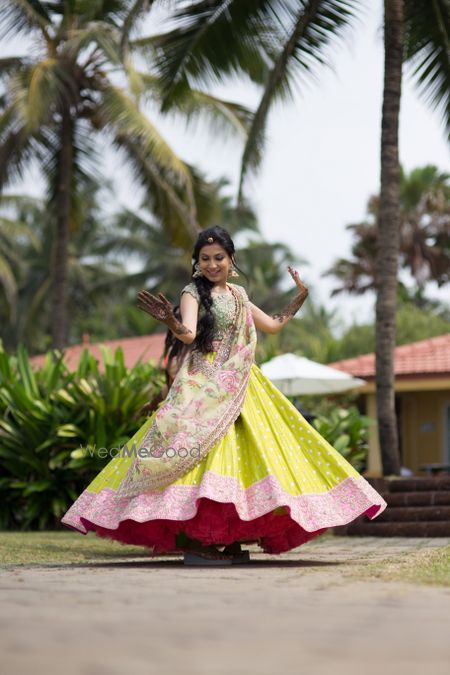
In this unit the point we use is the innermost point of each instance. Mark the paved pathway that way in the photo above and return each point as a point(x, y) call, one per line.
point(301, 612)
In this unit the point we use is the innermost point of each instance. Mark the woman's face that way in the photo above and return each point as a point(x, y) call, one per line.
point(214, 263)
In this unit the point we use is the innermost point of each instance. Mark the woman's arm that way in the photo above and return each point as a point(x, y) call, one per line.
point(189, 315)
point(273, 324)
point(161, 309)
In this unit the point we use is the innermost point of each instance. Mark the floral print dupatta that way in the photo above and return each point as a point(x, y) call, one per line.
point(204, 400)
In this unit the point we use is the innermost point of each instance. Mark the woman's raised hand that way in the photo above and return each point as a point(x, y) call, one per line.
point(292, 308)
point(159, 308)
point(298, 282)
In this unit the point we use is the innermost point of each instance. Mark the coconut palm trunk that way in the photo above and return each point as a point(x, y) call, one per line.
point(389, 238)
point(61, 249)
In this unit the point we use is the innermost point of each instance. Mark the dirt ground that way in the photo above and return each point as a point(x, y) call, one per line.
point(309, 611)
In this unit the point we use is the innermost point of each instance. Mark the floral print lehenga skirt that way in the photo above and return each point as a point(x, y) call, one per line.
point(271, 479)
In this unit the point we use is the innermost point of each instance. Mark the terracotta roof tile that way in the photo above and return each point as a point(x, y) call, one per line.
point(424, 357)
point(148, 347)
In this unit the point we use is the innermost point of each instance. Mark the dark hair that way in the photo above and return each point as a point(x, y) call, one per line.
point(205, 326)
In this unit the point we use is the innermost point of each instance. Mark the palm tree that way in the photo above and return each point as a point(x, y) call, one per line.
point(66, 92)
point(424, 235)
point(425, 225)
point(91, 278)
point(388, 249)
point(275, 43)
point(13, 233)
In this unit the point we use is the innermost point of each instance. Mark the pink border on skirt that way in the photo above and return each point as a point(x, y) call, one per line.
point(220, 511)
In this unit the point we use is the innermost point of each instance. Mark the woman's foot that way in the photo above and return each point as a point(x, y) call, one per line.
point(211, 553)
point(207, 555)
point(208, 552)
point(233, 549)
point(238, 555)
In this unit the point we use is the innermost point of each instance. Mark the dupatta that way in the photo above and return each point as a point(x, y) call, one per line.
point(204, 399)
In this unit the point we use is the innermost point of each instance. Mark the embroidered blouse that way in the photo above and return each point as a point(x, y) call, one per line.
point(222, 307)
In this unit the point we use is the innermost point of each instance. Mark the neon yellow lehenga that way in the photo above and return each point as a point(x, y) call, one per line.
point(224, 458)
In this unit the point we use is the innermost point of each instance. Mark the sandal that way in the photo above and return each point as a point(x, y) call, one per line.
point(191, 559)
point(208, 556)
point(239, 556)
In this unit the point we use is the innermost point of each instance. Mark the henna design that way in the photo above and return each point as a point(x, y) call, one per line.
point(292, 308)
point(178, 328)
point(161, 309)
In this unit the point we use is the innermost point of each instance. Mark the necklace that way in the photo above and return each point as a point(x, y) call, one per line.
point(228, 292)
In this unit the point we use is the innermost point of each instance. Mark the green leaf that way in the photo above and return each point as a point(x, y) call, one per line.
point(68, 431)
point(38, 486)
point(342, 442)
point(26, 372)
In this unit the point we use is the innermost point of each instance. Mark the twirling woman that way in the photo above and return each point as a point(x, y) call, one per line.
point(225, 458)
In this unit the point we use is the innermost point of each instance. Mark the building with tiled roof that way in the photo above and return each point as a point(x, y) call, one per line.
point(426, 357)
point(422, 400)
point(144, 347)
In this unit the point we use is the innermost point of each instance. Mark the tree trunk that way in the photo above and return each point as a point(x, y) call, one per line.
point(389, 238)
point(60, 249)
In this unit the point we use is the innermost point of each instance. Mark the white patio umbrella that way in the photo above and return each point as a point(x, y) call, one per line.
point(296, 375)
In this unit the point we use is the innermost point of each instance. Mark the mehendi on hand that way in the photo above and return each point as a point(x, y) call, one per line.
point(162, 310)
point(292, 308)
point(177, 327)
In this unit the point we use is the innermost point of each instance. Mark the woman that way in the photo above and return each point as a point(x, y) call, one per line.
point(225, 458)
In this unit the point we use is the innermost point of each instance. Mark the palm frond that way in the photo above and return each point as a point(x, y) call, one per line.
point(119, 113)
point(20, 201)
point(427, 51)
point(199, 106)
point(17, 146)
point(23, 16)
point(213, 39)
point(10, 64)
point(12, 229)
point(98, 33)
point(317, 23)
point(8, 283)
point(177, 211)
point(135, 13)
point(37, 90)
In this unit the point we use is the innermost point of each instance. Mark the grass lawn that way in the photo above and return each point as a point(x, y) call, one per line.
point(425, 566)
point(45, 548)
point(59, 547)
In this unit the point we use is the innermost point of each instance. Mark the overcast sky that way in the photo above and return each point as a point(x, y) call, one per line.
point(322, 157)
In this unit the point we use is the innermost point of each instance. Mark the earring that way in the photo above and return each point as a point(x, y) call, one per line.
point(232, 272)
point(198, 272)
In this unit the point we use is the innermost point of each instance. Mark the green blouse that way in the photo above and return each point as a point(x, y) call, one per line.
point(222, 308)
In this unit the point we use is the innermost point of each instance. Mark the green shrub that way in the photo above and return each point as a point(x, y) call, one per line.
point(49, 413)
point(346, 430)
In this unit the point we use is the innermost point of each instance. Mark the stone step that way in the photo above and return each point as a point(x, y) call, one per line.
point(417, 507)
point(394, 529)
point(417, 484)
point(413, 514)
point(424, 498)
